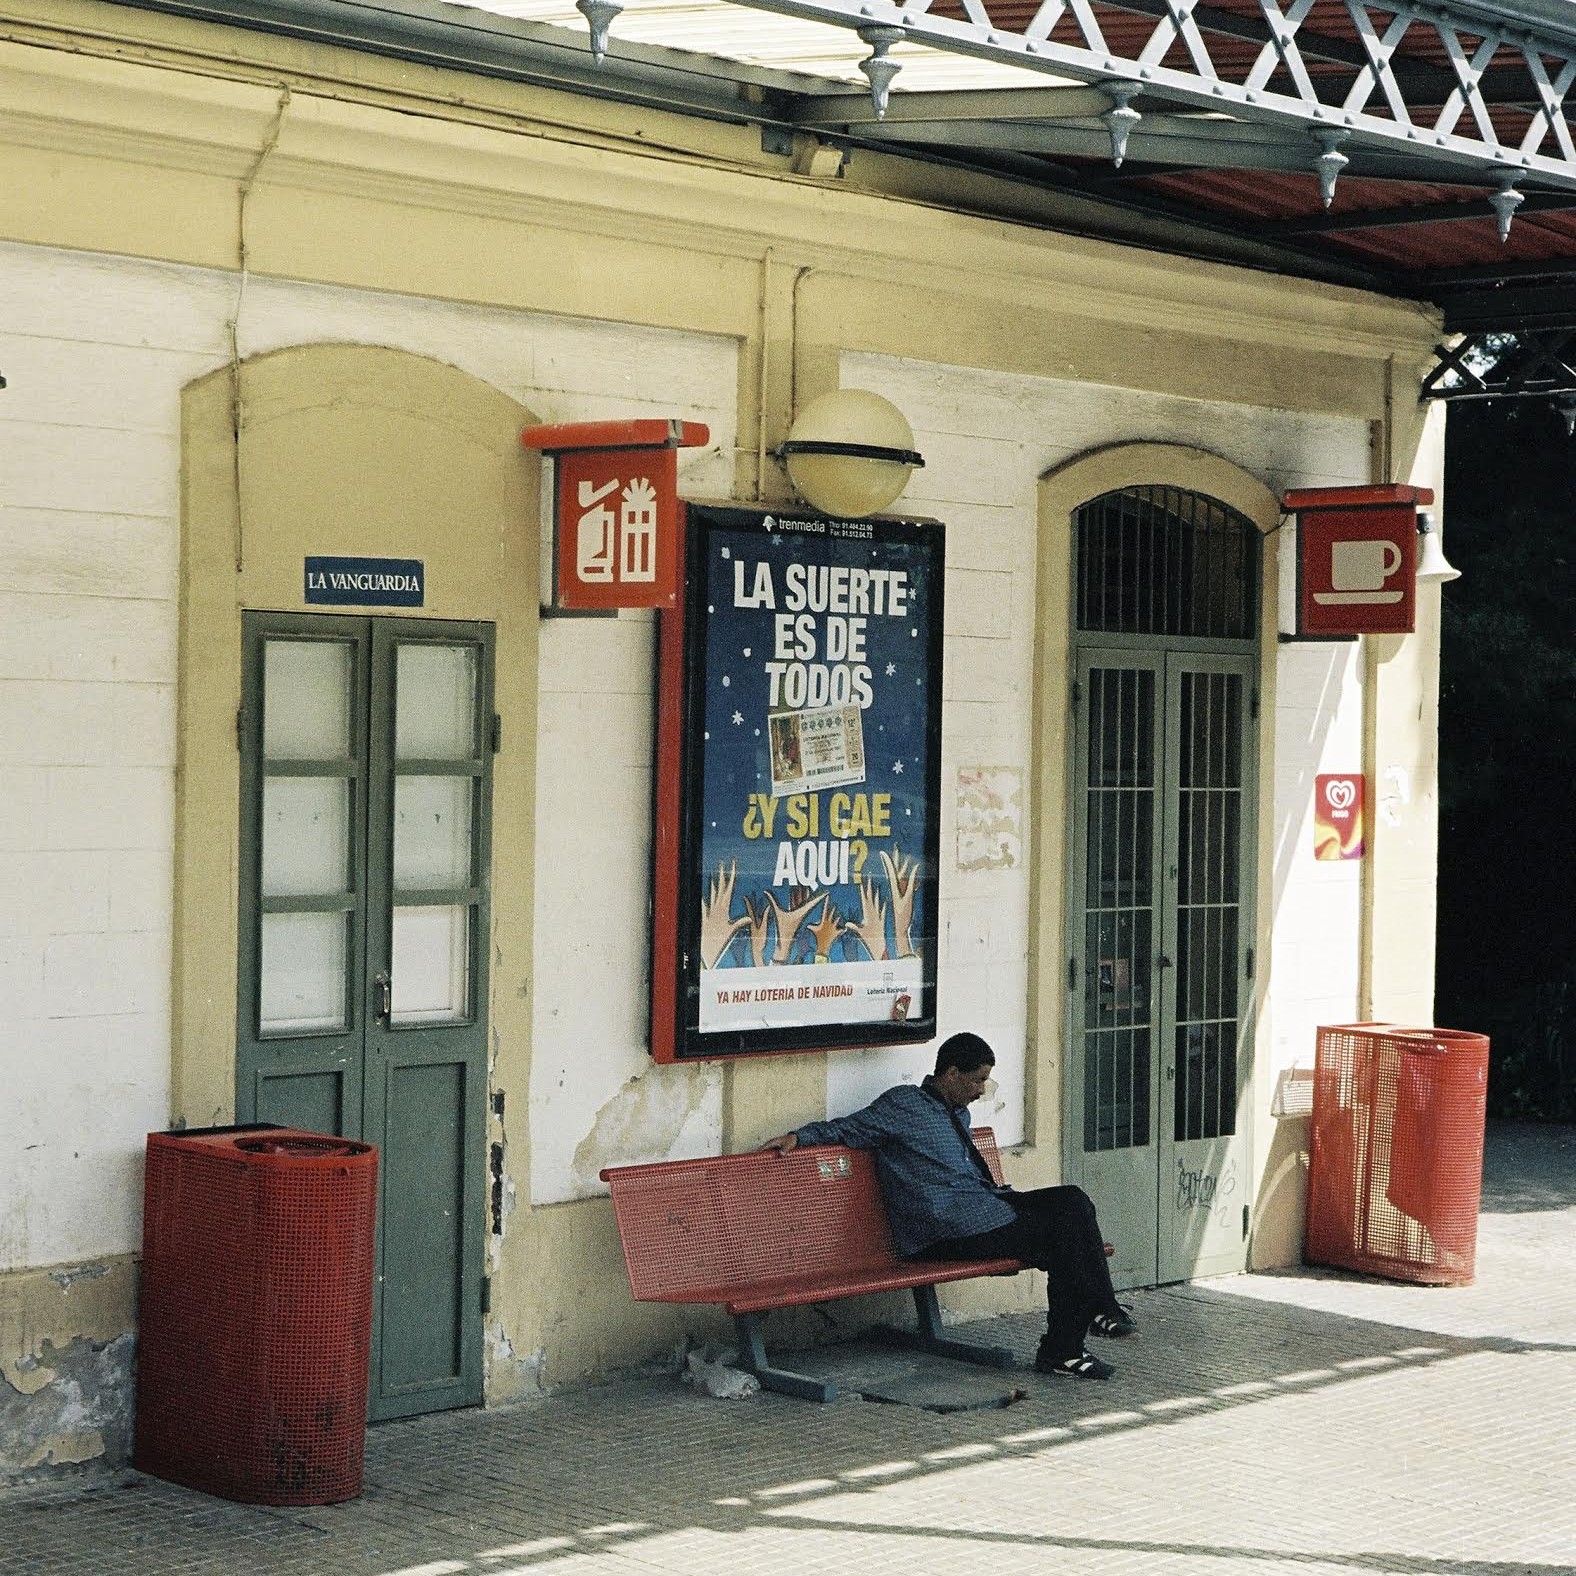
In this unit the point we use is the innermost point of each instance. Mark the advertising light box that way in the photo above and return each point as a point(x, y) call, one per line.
point(798, 817)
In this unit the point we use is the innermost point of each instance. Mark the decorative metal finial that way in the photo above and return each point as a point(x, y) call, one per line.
point(1121, 117)
point(1330, 163)
point(879, 69)
point(1505, 202)
point(600, 14)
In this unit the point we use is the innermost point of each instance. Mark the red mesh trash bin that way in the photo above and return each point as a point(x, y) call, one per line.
point(1396, 1169)
point(256, 1313)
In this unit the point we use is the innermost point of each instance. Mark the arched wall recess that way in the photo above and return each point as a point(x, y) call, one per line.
point(342, 815)
point(1063, 491)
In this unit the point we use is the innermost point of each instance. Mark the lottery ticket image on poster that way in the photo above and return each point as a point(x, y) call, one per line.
point(817, 749)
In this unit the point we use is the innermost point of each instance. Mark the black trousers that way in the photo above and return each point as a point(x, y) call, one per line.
point(1056, 1231)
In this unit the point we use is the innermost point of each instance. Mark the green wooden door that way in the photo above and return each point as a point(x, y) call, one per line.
point(365, 818)
point(1162, 960)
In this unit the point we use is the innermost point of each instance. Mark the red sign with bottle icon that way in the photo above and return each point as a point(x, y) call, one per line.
point(1356, 560)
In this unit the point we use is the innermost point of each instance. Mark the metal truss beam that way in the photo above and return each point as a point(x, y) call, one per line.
point(1372, 98)
point(1534, 363)
point(1550, 306)
point(1352, 221)
point(1177, 142)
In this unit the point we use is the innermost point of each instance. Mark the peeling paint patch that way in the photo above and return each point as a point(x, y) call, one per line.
point(66, 1279)
point(71, 1404)
point(645, 1120)
point(512, 1376)
point(990, 817)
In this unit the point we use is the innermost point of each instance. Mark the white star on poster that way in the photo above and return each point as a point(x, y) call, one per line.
point(738, 719)
point(897, 768)
point(891, 669)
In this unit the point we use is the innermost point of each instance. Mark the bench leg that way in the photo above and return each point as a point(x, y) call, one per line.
point(931, 1336)
point(752, 1355)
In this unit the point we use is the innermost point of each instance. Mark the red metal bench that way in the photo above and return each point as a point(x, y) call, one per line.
point(765, 1230)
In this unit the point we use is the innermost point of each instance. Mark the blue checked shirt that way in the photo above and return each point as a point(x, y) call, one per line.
point(925, 1162)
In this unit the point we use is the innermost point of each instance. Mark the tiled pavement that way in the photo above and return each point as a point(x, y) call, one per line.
point(1304, 1422)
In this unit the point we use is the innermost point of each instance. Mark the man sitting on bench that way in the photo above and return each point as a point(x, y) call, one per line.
point(942, 1202)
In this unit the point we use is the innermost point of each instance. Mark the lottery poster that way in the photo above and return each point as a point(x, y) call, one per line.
point(810, 782)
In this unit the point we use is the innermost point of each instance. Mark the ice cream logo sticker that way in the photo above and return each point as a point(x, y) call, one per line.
point(1338, 816)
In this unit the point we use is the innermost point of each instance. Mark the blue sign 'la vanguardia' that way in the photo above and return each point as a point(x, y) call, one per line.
point(365, 582)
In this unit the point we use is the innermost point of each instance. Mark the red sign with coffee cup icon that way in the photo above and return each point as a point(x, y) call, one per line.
point(1356, 560)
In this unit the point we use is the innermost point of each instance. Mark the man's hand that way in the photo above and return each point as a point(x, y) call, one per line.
point(782, 1143)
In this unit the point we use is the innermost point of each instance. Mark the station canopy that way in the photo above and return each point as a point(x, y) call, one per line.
point(1422, 151)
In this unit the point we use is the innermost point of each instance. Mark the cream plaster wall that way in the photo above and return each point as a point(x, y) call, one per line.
point(88, 610)
point(498, 230)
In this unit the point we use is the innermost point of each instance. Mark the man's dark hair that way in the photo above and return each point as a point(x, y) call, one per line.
point(965, 1052)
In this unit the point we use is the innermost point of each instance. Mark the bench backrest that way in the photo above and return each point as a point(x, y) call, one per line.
point(691, 1227)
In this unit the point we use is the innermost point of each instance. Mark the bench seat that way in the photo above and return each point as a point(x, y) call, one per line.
point(763, 1230)
point(796, 1291)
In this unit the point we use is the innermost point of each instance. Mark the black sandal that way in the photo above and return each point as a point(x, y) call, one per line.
point(1114, 1326)
point(1081, 1365)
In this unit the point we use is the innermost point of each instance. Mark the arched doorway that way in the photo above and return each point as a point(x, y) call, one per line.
point(343, 799)
point(1162, 857)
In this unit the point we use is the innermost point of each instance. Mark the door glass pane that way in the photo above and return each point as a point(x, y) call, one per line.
point(1119, 904)
point(1209, 823)
point(306, 700)
point(432, 832)
point(303, 973)
point(306, 842)
point(431, 964)
point(435, 702)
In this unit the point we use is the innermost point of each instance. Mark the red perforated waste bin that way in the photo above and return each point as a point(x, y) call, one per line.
point(1396, 1169)
point(256, 1313)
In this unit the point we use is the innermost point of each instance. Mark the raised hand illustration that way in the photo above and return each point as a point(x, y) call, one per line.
point(760, 923)
point(826, 930)
point(790, 919)
point(902, 879)
point(718, 926)
point(870, 927)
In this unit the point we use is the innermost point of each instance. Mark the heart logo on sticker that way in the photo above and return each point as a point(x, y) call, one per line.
point(1340, 794)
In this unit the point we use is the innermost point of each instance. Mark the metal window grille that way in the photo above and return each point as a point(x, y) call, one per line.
point(1119, 907)
point(1209, 791)
point(1171, 565)
point(1164, 561)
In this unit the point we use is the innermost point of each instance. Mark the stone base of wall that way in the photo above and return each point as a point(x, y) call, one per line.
point(67, 1343)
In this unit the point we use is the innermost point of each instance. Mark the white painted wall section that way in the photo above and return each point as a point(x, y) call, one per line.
point(96, 351)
